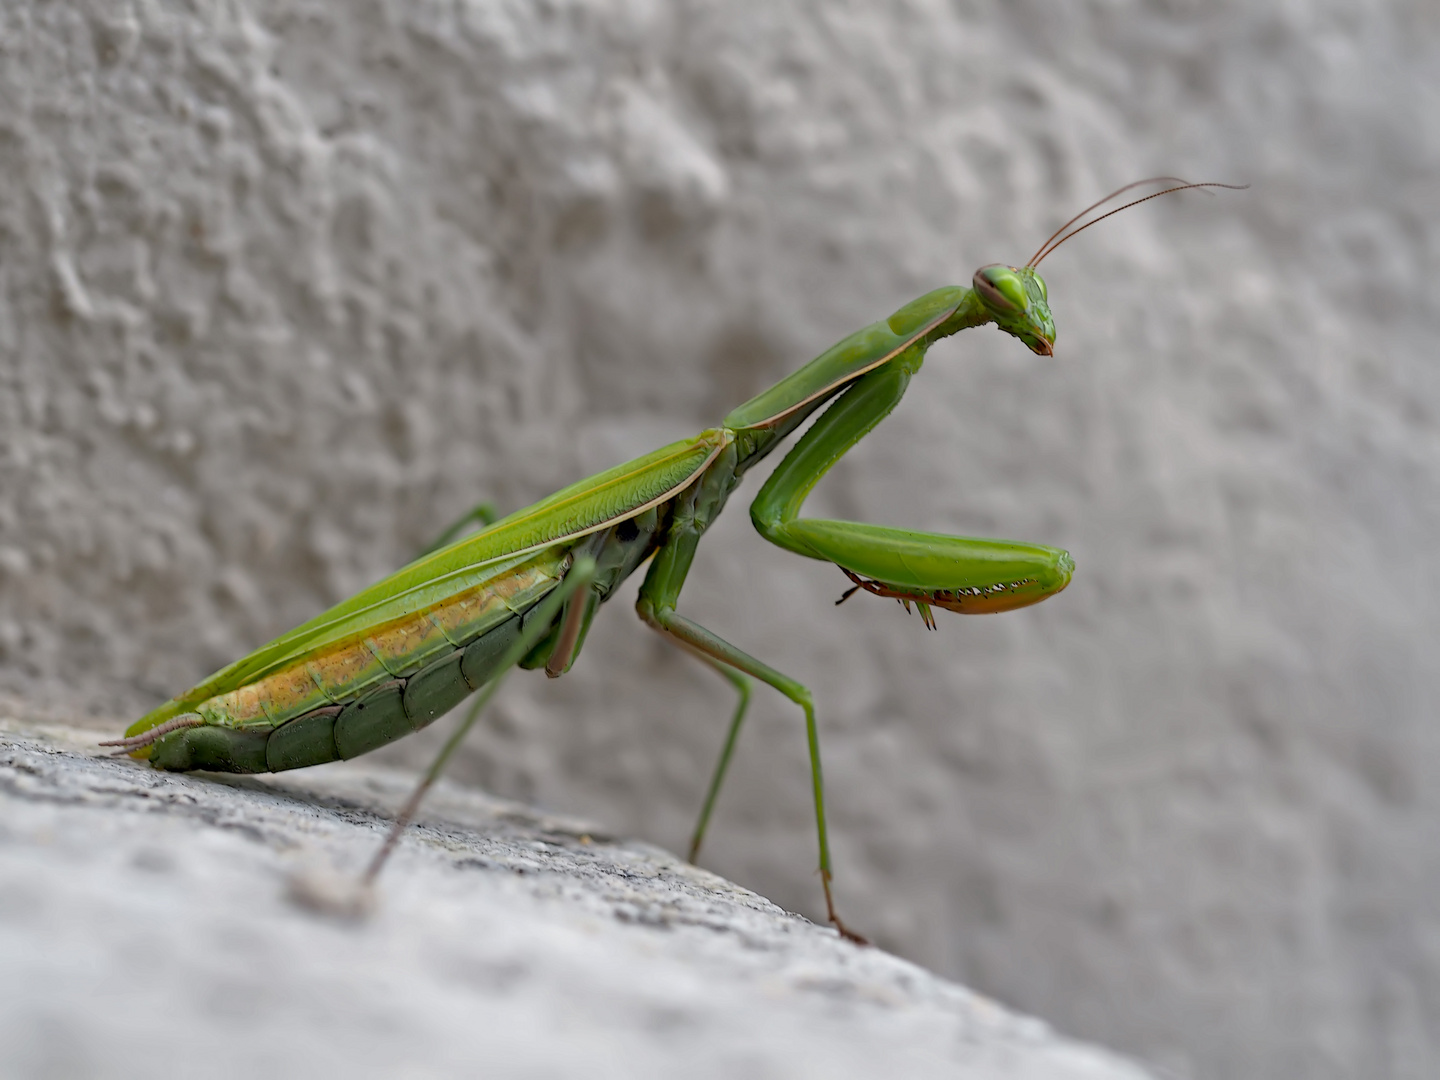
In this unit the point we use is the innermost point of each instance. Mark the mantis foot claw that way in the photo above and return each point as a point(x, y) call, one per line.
point(840, 927)
point(846, 933)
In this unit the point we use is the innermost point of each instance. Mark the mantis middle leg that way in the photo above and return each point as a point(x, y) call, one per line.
point(656, 605)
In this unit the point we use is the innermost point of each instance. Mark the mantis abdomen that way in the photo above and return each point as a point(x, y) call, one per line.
point(360, 694)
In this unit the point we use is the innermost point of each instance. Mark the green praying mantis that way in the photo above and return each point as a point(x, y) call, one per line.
point(523, 590)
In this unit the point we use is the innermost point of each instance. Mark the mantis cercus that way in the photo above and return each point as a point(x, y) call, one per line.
point(523, 590)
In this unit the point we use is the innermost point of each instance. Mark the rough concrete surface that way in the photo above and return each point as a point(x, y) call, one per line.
point(285, 286)
point(148, 929)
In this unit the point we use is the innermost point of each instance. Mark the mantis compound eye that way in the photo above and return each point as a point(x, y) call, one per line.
point(1001, 288)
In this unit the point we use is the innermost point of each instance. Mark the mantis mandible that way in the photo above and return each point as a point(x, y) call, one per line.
point(523, 590)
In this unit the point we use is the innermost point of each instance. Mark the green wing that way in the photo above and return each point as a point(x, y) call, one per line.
point(582, 508)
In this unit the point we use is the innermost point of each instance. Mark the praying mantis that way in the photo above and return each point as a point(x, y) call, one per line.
point(523, 590)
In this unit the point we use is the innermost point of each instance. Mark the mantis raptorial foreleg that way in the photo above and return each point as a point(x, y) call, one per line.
point(955, 572)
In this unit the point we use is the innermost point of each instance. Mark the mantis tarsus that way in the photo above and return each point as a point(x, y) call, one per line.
point(523, 590)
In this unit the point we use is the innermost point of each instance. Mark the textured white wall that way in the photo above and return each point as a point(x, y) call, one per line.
point(288, 285)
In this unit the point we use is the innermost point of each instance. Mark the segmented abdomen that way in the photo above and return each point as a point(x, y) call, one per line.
point(344, 671)
point(357, 695)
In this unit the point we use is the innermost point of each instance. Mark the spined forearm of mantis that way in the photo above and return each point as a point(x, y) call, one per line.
point(523, 590)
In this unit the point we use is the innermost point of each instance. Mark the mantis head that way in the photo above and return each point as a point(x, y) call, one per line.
point(1015, 298)
point(1015, 295)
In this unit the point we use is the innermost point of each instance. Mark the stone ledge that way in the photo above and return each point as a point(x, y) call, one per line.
point(147, 926)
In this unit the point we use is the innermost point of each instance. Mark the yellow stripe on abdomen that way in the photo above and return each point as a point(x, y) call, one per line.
point(347, 669)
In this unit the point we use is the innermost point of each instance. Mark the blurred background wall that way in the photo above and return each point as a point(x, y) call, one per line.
point(288, 285)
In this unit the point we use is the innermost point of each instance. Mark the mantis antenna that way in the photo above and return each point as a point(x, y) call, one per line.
point(1051, 244)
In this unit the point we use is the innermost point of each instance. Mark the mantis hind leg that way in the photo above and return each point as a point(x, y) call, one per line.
point(727, 749)
point(578, 578)
point(742, 689)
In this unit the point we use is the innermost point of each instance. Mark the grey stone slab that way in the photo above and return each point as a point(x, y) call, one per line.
point(148, 927)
